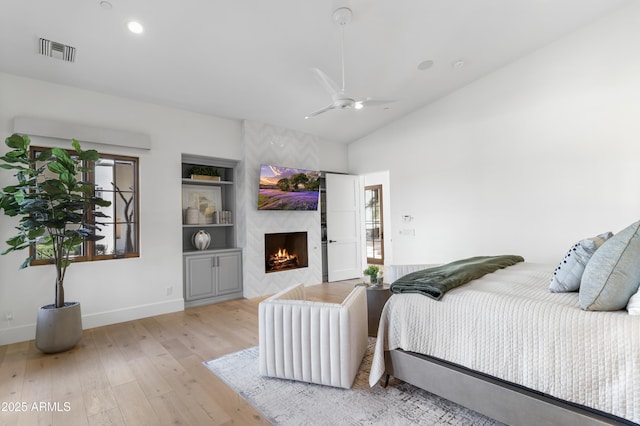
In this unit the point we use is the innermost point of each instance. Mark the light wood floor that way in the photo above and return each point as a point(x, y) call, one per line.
point(142, 372)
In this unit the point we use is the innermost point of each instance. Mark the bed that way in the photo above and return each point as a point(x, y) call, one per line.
point(505, 346)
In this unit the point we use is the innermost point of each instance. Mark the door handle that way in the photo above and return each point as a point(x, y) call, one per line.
point(332, 241)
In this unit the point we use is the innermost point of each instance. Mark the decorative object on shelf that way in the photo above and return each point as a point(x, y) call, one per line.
point(205, 173)
point(226, 216)
point(372, 271)
point(201, 240)
point(222, 217)
point(205, 199)
point(191, 216)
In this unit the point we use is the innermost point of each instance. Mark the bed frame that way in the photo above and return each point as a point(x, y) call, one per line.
point(503, 401)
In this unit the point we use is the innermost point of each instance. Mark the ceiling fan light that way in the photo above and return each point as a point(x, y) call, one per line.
point(135, 27)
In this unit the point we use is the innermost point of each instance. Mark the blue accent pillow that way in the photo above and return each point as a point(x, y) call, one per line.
point(568, 273)
point(612, 275)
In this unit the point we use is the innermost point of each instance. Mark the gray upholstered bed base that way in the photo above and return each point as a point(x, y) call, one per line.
point(500, 400)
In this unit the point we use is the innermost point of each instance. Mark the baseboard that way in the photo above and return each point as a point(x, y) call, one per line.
point(210, 300)
point(131, 313)
point(18, 334)
point(28, 332)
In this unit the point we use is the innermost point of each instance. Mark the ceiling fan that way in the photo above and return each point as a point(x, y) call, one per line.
point(340, 100)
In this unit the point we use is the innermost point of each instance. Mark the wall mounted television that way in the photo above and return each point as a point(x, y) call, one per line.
point(286, 188)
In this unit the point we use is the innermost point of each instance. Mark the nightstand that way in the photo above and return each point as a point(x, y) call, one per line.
point(376, 298)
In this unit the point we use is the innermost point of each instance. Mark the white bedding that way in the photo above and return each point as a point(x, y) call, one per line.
point(507, 324)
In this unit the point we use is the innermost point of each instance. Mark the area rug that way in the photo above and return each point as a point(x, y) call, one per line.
point(287, 402)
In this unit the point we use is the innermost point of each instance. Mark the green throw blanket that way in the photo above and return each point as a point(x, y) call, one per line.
point(435, 282)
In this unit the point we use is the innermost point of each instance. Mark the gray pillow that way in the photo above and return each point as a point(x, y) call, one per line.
point(612, 275)
point(568, 273)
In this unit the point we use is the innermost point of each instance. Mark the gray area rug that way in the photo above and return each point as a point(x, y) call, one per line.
point(287, 402)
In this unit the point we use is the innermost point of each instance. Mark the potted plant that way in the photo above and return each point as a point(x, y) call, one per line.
point(372, 271)
point(57, 211)
point(205, 173)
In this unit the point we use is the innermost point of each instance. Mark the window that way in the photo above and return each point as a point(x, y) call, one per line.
point(116, 180)
point(373, 224)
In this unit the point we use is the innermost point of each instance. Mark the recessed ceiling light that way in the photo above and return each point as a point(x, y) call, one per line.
point(135, 27)
point(425, 65)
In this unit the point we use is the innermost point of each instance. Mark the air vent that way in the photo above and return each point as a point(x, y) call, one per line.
point(57, 50)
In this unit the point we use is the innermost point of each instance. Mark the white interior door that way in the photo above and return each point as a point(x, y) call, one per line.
point(343, 227)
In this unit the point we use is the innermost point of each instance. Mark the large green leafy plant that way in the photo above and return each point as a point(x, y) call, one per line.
point(57, 209)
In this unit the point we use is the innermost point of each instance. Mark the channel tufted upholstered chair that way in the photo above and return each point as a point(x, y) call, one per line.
point(312, 341)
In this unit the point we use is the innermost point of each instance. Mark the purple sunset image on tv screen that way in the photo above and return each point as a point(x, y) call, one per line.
point(286, 188)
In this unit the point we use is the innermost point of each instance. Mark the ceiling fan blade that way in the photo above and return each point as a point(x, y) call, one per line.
point(326, 82)
point(374, 102)
point(320, 111)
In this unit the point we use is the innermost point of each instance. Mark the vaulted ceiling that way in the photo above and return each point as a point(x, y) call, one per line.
point(251, 59)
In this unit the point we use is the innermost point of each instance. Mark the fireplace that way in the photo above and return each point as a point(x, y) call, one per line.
point(285, 250)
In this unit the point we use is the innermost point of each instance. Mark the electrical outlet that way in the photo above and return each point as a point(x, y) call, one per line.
point(169, 291)
point(9, 316)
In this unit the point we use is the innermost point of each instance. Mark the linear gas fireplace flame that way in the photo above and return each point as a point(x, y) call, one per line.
point(286, 250)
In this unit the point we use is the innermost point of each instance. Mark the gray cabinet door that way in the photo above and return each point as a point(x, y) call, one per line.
point(229, 273)
point(200, 282)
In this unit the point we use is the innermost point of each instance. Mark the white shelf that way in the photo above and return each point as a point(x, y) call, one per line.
point(208, 225)
point(205, 182)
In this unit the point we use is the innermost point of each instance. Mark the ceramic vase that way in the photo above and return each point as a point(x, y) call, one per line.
point(191, 216)
point(201, 240)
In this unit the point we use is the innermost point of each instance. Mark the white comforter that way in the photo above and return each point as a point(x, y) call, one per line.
point(508, 325)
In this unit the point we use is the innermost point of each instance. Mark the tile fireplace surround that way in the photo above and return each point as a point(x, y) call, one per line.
point(267, 144)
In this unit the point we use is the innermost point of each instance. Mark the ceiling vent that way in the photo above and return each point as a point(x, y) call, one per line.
point(56, 50)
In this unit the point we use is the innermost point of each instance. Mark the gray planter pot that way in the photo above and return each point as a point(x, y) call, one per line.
point(58, 329)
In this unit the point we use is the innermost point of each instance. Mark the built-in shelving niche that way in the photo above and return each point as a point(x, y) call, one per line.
point(223, 235)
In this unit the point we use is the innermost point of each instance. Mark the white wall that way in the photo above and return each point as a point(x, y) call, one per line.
point(332, 156)
point(526, 160)
point(115, 290)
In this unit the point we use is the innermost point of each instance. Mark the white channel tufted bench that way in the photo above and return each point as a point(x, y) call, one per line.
point(312, 341)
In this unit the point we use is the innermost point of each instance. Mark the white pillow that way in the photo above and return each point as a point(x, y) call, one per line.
point(633, 307)
point(568, 273)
